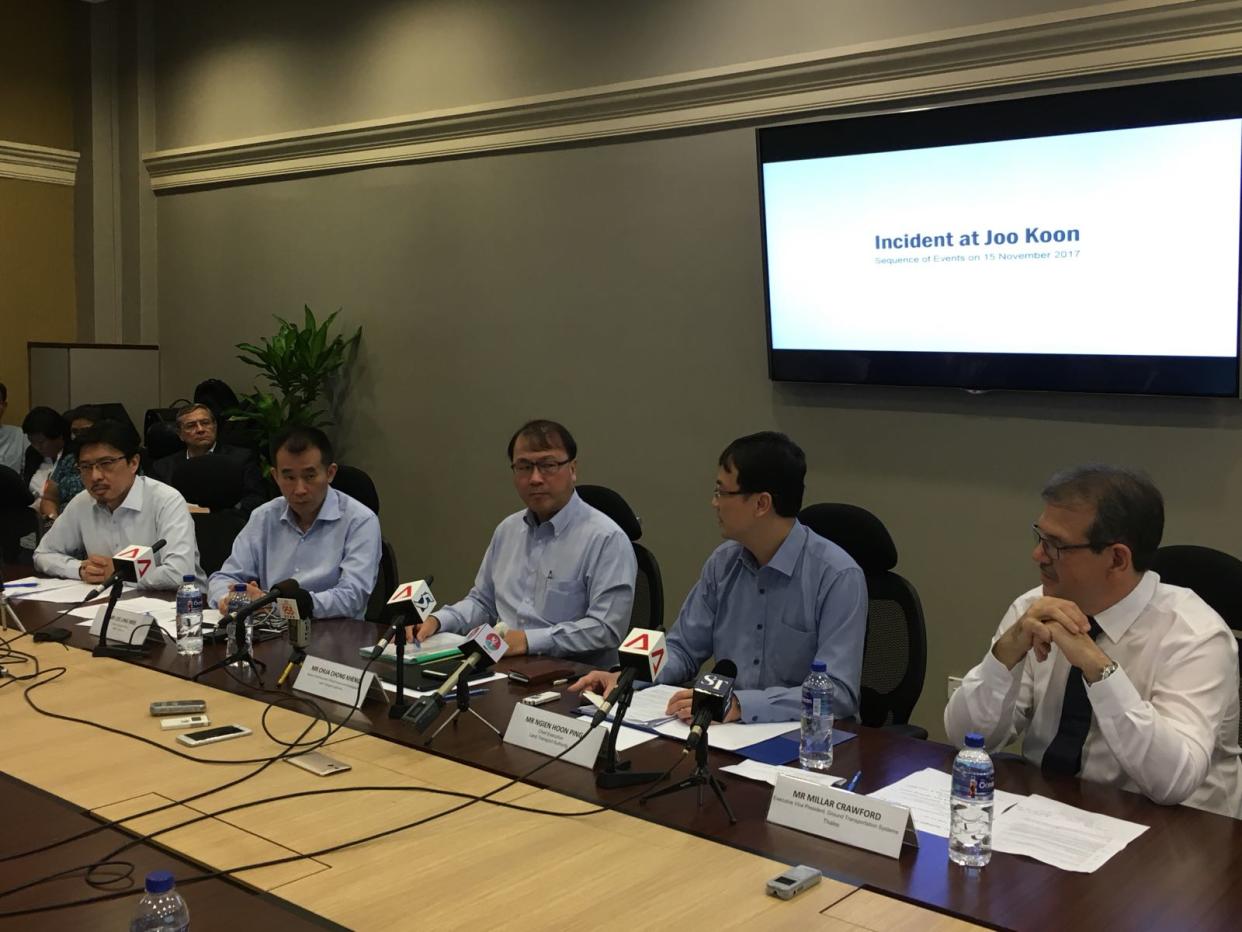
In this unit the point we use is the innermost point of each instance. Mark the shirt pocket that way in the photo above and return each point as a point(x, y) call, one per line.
point(791, 650)
point(564, 600)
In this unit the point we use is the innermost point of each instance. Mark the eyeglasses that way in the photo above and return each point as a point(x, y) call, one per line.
point(104, 465)
point(1054, 550)
point(718, 492)
point(524, 468)
point(201, 422)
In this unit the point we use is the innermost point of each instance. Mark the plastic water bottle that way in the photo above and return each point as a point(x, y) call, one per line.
point(161, 907)
point(237, 602)
point(815, 748)
point(190, 602)
point(970, 805)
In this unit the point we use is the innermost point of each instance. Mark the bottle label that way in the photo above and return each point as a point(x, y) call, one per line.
point(969, 784)
point(815, 706)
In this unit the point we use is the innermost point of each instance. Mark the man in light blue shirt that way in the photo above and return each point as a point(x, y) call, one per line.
point(772, 598)
point(12, 440)
point(559, 574)
point(119, 508)
point(327, 541)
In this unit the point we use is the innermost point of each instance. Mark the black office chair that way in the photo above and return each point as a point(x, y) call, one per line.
point(17, 518)
point(354, 482)
point(895, 651)
point(215, 532)
point(648, 611)
point(159, 430)
point(215, 482)
point(1215, 576)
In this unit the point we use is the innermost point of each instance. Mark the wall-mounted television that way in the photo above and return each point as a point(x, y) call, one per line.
point(1085, 241)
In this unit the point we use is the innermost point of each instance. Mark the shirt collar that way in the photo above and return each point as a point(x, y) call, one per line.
point(329, 511)
point(208, 453)
point(785, 560)
point(1117, 619)
point(133, 499)
point(559, 521)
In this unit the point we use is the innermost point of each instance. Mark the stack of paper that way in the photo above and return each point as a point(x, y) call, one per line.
point(437, 643)
point(766, 773)
point(647, 708)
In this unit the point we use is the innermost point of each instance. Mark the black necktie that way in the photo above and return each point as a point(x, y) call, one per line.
point(1064, 754)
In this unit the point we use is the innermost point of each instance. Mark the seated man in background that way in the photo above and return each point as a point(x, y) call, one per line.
point(47, 432)
point(196, 426)
point(12, 440)
point(121, 508)
point(773, 598)
point(559, 573)
point(324, 539)
point(1107, 672)
point(65, 483)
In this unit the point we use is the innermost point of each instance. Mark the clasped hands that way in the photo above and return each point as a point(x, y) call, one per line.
point(1051, 621)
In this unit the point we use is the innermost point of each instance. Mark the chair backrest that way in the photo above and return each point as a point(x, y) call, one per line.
point(386, 582)
point(1215, 577)
point(895, 650)
point(160, 435)
point(215, 482)
point(215, 533)
point(355, 483)
point(648, 611)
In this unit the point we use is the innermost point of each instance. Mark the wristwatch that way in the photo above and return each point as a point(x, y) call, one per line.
point(1106, 672)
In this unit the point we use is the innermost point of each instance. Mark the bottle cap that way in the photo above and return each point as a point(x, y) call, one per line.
point(819, 666)
point(974, 740)
point(188, 577)
point(159, 881)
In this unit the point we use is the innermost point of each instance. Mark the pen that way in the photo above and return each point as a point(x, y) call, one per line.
point(849, 787)
point(19, 585)
point(568, 679)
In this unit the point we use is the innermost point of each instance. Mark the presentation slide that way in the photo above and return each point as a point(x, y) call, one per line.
point(1122, 242)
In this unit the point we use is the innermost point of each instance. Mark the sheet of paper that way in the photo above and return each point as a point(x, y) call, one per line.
point(20, 588)
point(926, 794)
point(732, 736)
point(442, 640)
point(766, 773)
point(66, 593)
point(646, 708)
point(1064, 836)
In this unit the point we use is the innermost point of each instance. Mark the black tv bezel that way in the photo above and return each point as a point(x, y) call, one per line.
point(1154, 103)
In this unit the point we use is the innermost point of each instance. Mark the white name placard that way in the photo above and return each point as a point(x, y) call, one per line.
point(336, 682)
point(547, 732)
point(841, 816)
point(124, 625)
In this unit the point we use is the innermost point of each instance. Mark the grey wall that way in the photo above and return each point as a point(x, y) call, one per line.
point(617, 287)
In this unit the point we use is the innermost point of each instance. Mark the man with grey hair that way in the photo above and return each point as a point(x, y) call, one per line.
point(1105, 671)
point(196, 426)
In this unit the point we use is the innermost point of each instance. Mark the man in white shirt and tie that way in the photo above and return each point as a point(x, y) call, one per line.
point(1105, 671)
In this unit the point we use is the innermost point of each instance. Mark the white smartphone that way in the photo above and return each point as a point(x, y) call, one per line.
point(541, 698)
point(212, 735)
point(321, 765)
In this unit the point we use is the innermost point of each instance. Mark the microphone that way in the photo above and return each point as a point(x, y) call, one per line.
point(482, 647)
point(641, 656)
point(129, 564)
point(298, 612)
point(710, 702)
point(285, 589)
point(416, 594)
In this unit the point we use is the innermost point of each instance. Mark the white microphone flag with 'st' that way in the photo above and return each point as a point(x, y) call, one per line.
point(131, 563)
point(643, 652)
point(416, 594)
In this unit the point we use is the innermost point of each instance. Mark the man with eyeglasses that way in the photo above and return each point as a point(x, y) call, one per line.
point(121, 508)
point(1105, 671)
point(196, 426)
point(559, 573)
point(773, 598)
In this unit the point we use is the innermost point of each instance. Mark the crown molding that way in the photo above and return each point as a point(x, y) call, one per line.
point(37, 163)
point(1103, 41)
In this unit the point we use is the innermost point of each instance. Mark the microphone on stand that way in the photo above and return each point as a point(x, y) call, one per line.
point(130, 564)
point(483, 647)
point(298, 612)
point(641, 656)
point(713, 693)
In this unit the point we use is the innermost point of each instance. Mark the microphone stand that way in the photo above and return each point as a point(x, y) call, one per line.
point(296, 656)
point(463, 705)
point(614, 773)
point(240, 655)
point(700, 777)
point(117, 651)
point(7, 615)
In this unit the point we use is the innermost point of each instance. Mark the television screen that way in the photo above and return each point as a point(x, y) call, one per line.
point(1074, 242)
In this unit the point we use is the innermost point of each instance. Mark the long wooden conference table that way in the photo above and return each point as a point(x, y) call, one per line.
point(666, 863)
